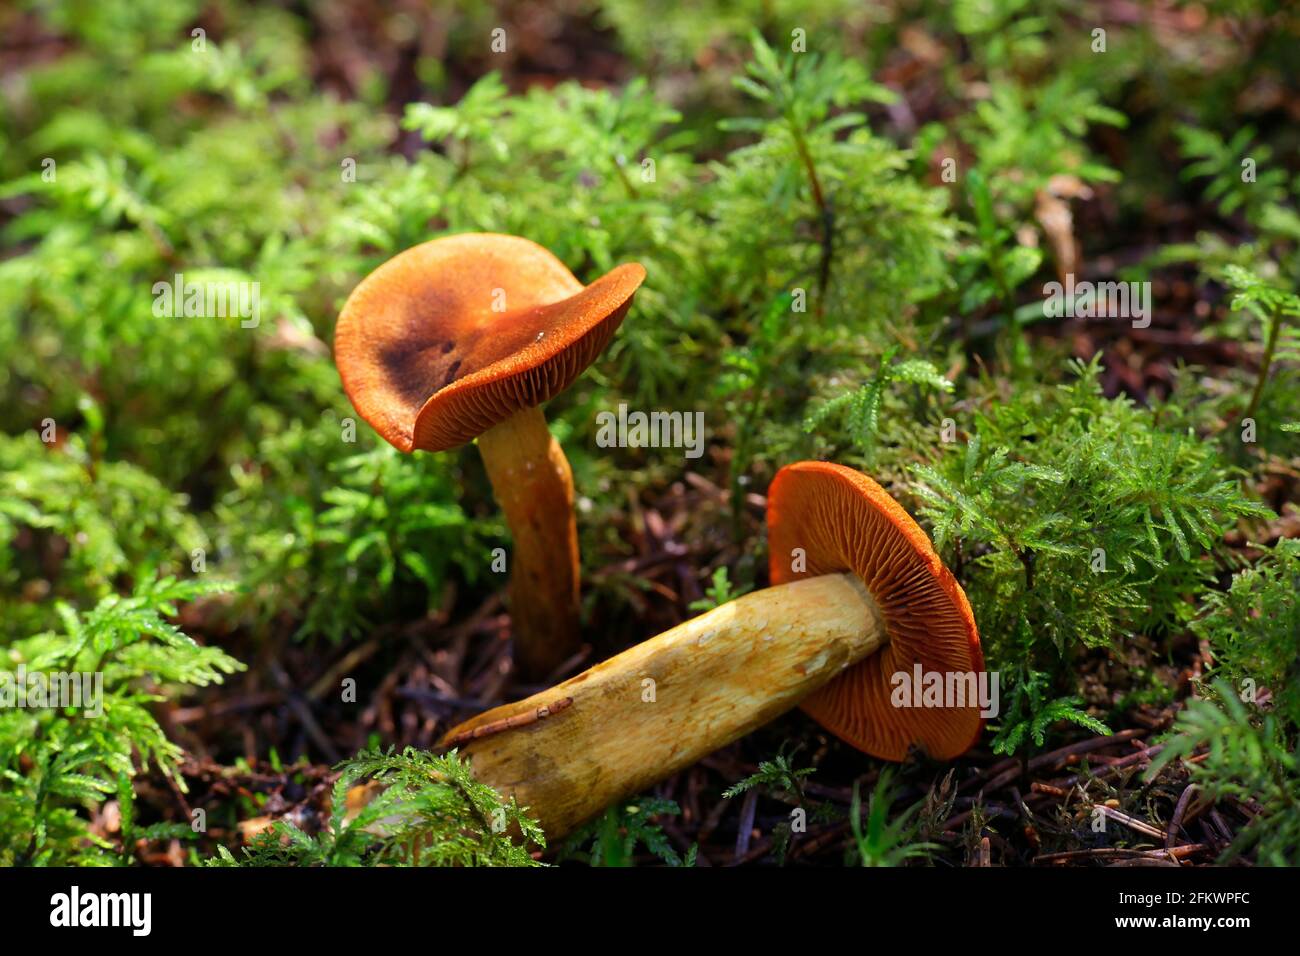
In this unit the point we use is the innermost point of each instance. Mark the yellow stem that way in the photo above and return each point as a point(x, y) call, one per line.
point(662, 705)
point(533, 484)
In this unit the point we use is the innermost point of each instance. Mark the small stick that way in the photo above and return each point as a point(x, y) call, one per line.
point(822, 839)
point(1047, 788)
point(745, 828)
point(510, 723)
point(304, 715)
point(1004, 772)
point(329, 680)
point(1118, 765)
point(1177, 852)
point(1180, 811)
point(1133, 823)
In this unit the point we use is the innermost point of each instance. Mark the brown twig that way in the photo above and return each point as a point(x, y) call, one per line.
point(1133, 823)
point(1180, 810)
point(304, 715)
point(510, 723)
point(1105, 853)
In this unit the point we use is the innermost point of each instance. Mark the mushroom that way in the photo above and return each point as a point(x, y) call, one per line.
point(858, 595)
point(464, 337)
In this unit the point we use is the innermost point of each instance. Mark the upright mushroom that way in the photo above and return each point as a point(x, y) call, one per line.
point(858, 595)
point(464, 337)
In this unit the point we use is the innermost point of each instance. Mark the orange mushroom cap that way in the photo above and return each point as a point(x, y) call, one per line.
point(845, 522)
point(455, 335)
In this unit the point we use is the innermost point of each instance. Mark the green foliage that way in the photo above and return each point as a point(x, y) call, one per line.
point(1033, 711)
point(860, 410)
point(745, 387)
point(612, 838)
point(719, 592)
point(993, 267)
point(1246, 181)
point(1279, 309)
point(879, 840)
point(475, 119)
point(199, 197)
point(1253, 629)
point(339, 540)
point(781, 779)
point(57, 763)
point(1249, 757)
point(1083, 522)
point(428, 811)
point(777, 774)
point(1038, 133)
point(73, 528)
point(1262, 311)
point(132, 833)
point(818, 236)
point(662, 34)
point(1001, 28)
point(820, 203)
point(1258, 193)
point(1258, 297)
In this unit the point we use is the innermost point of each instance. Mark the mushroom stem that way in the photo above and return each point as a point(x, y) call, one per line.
point(616, 729)
point(533, 484)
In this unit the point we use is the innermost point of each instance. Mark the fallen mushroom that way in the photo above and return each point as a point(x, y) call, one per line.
point(464, 337)
point(858, 595)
